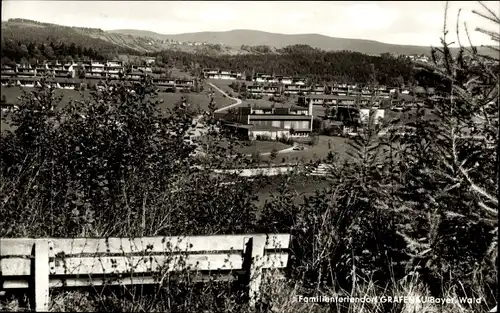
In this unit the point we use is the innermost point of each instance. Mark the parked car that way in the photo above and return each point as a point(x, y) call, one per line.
point(298, 148)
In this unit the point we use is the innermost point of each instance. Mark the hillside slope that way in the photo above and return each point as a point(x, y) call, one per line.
point(26, 31)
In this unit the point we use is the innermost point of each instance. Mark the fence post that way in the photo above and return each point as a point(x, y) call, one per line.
point(257, 257)
point(41, 275)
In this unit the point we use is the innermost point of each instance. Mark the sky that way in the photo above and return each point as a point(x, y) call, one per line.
point(396, 22)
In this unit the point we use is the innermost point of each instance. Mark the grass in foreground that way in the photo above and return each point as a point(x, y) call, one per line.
point(262, 147)
point(279, 295)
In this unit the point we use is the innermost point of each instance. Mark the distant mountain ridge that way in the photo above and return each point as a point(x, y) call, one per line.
point(233, 40)
point(239, 37)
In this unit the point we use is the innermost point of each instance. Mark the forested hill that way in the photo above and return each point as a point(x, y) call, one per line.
point(245, 37)
point(27, 39)
point(241, 37)
point(341, 66)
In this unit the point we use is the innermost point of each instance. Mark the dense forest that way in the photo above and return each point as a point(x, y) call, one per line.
point(320, 66)
point(49, 41)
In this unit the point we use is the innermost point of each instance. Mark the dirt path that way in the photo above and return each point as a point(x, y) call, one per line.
point(238, 101)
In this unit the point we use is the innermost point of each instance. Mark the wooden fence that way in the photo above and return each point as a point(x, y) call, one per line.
point(40, 264)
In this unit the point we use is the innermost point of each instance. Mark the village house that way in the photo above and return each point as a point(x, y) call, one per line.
point(291, 89)
point(95, 69)
point(26, 70)
point(26, 82)
point(255, 89)
point(346, 113)
point(328, 100)
point(271, 90)
point(354, 91)
point(235, 75)
point(221, 74)
point(97, 66)
point(44, 70)
point(58, 69)
point(181, 84)
point(63, 73)
point(115, 64)
point(298, 81)
point(339, 90)
point(56, 65)
point(264, 78)
point(5, 81)
point(113, 69)
point(135, 75)
point(165, 84)
point(225, 74)
point(67, 85)
point(275, 121)
point(8, 70)
point(285, 80)
point(95, 75)
point(385, 94)
point(144, 69)
point(317, 90)
point(211, 73)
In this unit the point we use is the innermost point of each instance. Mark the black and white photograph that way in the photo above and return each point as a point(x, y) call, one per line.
point(249, 156)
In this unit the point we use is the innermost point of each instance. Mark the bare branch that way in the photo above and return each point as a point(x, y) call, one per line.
point(458, 27)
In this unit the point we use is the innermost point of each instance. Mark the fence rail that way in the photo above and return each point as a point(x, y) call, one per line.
point(40, 264)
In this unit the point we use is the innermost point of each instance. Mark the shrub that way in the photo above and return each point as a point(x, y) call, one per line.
point(274, 154)
point(286, 140)
point(263, 137)
point(112, 155)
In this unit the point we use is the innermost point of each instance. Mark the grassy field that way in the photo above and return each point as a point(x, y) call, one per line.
point(316, 152)
point(262, 147)
point(222, 83)
point(201, 99)
point(319, 151)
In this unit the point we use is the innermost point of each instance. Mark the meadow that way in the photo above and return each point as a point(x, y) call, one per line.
point(169, 99)
point(197, 100)
point(316, 152)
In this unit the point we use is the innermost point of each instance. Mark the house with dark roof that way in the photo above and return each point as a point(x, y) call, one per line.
point(273, 121)
point(184, 83)
point(317, 90)
point(264, 78)
point(347, 111)
point(8, 70)
point(284, 80)
point(25, 70)
point(221, 74)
